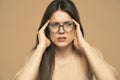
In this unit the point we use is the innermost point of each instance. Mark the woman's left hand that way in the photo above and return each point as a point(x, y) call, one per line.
point(79, 41)
point(98, 65)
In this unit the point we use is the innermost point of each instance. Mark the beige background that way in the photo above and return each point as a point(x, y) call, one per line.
point(19, 21)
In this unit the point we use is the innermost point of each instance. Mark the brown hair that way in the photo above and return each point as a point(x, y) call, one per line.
point(47, 62)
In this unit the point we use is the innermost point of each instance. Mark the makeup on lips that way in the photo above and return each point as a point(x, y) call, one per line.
point(61, 39)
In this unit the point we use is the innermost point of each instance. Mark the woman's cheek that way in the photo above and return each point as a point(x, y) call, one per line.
point(53, 38)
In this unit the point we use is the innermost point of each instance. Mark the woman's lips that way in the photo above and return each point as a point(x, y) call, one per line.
point(61, 39)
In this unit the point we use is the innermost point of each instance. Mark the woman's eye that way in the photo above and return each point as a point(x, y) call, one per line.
point(55, 25)
point(69, 24)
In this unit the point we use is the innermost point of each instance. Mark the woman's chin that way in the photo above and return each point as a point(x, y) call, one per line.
point(62, 45)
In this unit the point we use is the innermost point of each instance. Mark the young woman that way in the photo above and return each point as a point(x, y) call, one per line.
point(61, 52)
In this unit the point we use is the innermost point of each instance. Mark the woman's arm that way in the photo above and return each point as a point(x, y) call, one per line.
point(30, 71)
point(100, 68)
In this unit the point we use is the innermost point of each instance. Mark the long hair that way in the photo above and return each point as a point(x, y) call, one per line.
point(47, 63)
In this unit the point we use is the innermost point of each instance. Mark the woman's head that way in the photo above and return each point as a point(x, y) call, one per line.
point(69, 10)
point(61, 29)
point(63, 5)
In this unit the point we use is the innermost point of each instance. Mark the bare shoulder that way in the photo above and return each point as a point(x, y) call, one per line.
point(102, 58)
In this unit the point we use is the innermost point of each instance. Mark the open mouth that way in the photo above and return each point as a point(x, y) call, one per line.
point(61, 39)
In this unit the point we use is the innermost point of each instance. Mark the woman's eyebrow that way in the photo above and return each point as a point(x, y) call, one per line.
point(67, 21)
point(54, 22)
point(59, 22)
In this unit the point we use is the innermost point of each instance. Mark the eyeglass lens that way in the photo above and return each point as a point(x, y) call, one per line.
point(67, 27)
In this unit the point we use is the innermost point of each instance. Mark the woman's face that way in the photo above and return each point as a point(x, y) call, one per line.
point(59, 36)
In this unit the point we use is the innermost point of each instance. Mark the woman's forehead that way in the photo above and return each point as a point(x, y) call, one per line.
point(60, 16)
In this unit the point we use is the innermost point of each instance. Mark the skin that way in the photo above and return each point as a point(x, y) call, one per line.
point(67, 44)
point(90, 55)
point(64, 50)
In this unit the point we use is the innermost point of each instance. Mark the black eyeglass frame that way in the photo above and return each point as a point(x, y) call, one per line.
point(50, 24)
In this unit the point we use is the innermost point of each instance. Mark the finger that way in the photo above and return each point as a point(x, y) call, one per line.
point(77, 24)
point(78, 28)
point(45, 25)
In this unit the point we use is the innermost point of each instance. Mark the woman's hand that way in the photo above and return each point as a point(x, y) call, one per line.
point(43, 40)
point(30, 71)
point(98, 65)
point(79, 41)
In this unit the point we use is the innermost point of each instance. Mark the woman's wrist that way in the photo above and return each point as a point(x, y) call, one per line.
point(84, 45)
point(86, 48)
point(40, 48)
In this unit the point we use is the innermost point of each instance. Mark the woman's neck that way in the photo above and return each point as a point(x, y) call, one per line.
point(64, 52)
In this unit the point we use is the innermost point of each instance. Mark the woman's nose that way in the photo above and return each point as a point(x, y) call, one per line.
point(61, 30)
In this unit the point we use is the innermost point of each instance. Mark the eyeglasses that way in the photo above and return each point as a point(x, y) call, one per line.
point(55, 27)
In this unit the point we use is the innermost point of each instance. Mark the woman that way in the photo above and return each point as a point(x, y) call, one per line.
point(61, 52)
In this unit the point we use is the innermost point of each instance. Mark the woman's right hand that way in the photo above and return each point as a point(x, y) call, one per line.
point(43, 40)
point(31, 69)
